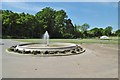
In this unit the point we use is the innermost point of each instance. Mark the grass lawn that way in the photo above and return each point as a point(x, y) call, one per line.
point(113, 40)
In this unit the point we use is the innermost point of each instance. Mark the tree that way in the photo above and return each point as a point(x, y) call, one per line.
point(9, 22)
point(18, 25)
point(76, 31)
point(57, 23)
point(28, 23)
point(84, 28)
point(24, 25)
point(46, 19)
point(96, 32)
point(117, 32)
point(108, 31)
point(69, 28)
point(60, 19)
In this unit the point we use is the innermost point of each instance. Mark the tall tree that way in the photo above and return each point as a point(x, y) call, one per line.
point(84, 28)
point(69, 28)
point(117, 32)
point(9, 22)
point(27, 24)
point(108, 31)
point(46, 18)
point(60, 19)
point(96, 32)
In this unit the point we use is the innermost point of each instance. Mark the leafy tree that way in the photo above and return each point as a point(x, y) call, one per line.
point(57, 23)
point(9, 22)
point(77, 33)
point(117, 32)
point(60, 19)
point(18, 25)
point(108, 31)
point(84, 28)
point(69, 28)
point(46, 18)
point(27, 23)
point(96, 32)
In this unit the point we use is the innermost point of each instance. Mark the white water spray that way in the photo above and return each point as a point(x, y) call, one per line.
point(46, 38)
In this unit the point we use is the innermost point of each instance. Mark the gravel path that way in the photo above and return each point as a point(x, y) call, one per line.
point(99, 61)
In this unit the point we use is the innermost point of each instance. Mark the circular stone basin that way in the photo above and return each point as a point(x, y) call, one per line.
point(43, 47)
point(53, 49)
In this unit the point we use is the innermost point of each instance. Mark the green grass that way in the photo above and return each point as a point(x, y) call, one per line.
point(113, 40)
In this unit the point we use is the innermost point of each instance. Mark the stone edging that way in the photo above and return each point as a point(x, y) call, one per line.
point(47, 55)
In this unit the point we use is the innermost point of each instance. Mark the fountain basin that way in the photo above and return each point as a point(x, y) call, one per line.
point(42, 47)
point(54, 49)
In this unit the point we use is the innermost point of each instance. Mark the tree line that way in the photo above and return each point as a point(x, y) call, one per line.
point(57, 23)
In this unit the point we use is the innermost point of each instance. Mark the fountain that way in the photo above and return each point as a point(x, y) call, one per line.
point(46, 38)
point(46, 48)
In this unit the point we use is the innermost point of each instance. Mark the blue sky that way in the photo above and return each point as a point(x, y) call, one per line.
point(97, 14)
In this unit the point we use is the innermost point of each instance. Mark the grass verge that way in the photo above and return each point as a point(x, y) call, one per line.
point(113, 40)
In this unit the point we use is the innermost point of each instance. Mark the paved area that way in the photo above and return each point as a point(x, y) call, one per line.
point(99, 61)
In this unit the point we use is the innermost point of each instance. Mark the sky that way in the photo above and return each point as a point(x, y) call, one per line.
point(96, 14)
